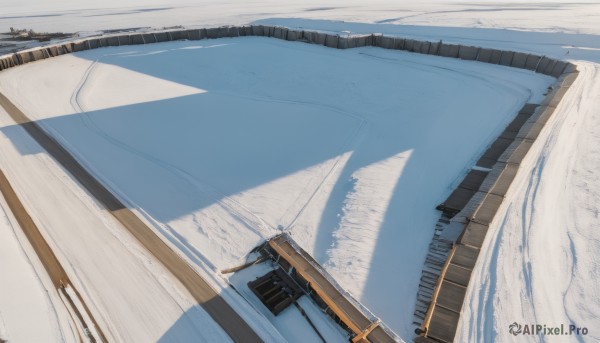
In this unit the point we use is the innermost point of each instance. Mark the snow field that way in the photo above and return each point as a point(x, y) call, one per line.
point(564, 30)
point(73, 15)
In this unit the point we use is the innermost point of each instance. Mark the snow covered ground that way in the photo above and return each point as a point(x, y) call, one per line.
point(131, 294)
point(562, 172)
point(76, 15)
point(236, 137)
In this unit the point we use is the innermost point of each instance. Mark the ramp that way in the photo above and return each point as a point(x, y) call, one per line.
point(363, 326)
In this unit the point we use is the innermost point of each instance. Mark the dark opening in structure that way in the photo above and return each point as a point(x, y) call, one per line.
point(276, 290)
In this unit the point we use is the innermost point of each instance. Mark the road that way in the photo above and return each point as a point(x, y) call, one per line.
point(55, 271)
point(203, 293)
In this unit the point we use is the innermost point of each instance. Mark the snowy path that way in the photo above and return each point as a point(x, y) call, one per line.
point(540, 263)
point(72, 15)
point(563, 30)
point(38, 303)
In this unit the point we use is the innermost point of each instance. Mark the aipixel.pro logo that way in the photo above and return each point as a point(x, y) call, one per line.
point(542, 329)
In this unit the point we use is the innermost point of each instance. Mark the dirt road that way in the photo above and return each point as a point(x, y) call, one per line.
point(211, 302)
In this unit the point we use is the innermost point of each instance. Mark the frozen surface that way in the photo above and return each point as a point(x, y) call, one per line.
point(223, 141)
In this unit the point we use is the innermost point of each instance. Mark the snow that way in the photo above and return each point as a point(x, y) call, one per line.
point(290, 322)
point(246, 138)
point(362, 218)
point(77, 307)
point(540, 261)
point(35, 315)
point(74, 15)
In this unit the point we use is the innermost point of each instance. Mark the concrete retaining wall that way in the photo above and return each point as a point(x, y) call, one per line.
point(449, 50)
point(539, 64)
point(483, 198)
point(441, 321)
point(469, 53)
